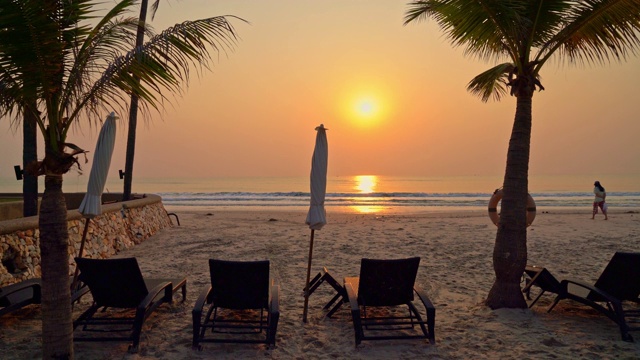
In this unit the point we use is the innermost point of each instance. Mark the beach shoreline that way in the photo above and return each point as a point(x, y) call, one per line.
point(455, 270)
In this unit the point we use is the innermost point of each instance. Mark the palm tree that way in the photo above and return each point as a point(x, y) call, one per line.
point(29, 157)
point(79, 66)
point(133, 107)
point(527, 33)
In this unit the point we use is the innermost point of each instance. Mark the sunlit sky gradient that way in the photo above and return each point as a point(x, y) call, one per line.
point(393, 98)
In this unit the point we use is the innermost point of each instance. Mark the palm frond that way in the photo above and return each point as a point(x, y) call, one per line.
point(597, 31)
point(154, 8)
point(161, 65)
point(485, 28)
point(110, 38)
point(492, 83)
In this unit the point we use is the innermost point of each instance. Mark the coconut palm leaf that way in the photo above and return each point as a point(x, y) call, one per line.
point(162, 65)
point(596, 32)
point(492, 83)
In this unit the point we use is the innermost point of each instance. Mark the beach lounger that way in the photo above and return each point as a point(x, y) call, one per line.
point(243, 305)
point(541, 278)
point(381, 301)
point(340, 296)
point(618, 285)
point(118, 283)
point(19, 295)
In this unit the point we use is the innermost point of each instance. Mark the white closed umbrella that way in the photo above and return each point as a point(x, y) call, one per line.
point(316, 217)
point(91, 205)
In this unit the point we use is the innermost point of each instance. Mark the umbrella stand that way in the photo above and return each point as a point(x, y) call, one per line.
point(306, 288)
point(74, 284)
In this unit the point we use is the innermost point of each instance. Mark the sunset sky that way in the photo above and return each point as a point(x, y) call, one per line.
point(393, 98)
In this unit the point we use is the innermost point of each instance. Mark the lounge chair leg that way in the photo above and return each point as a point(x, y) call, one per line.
point(555, 302)
point(536, 300)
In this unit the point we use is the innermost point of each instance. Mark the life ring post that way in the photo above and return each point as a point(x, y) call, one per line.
point(494, 215)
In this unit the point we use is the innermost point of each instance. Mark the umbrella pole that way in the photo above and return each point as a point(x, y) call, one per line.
point(84, 237)
point(306, 289)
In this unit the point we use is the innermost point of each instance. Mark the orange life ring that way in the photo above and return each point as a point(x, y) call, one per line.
point(493, 208)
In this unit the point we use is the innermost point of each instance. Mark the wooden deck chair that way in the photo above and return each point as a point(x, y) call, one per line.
point(243, 305)
point(19, 295)
point(542, 278)
point(118, 283)
point(340, 296)
point(618, 285)
point(383, 288)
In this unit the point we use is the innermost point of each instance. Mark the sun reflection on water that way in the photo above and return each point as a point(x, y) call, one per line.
point(366, 184)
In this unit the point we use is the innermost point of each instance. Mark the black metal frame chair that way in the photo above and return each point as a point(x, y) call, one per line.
point(542, 278)
point(340, 296)
point(19, 295)
point(243, 304)
point(618, 283)
point(388, 284)
point(118, 283)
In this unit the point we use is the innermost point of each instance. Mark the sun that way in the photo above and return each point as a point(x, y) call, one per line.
point(366, 110)
point(366, 107)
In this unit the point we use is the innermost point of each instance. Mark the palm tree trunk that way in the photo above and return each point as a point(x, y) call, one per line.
point(510, 250)
point(29, 157)
point(57, 327)
point(133, 113)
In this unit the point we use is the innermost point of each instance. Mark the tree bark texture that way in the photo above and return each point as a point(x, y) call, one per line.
point(510, 250)
point(57, 326)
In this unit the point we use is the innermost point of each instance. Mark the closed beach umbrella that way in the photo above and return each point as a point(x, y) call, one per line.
point(91, 205)
point(316, 217)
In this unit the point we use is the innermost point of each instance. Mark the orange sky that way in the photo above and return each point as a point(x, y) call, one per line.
point(302, 62)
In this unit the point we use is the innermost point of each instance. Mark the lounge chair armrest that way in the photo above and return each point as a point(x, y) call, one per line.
point(274, 313)
point(202, 299)
point(351, 295)
point(153, 294)
point(14, 288)
point(565, 287)
point(196, 314)
point(431, 312)
point(274, 301)
point(80, 292)
point(423, 297)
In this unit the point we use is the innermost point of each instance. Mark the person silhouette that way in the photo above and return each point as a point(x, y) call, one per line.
point(598, 202)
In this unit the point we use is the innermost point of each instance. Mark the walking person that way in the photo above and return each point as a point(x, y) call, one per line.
point(598, 202)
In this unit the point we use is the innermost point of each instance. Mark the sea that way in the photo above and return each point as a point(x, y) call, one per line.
point(365, 193)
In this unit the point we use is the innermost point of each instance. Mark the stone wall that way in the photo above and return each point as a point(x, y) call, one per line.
point(121, 226)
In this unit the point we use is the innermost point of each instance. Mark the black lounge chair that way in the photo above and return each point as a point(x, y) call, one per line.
point(19, 295)
point(340, 296)
point(118, 283)
point(618, 283)
point(375, 296)
point(542, 278)
point(243, 304)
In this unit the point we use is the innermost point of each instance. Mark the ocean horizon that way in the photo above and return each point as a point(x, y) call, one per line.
point(361, 193)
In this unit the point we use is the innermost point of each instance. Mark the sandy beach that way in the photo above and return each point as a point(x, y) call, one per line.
point(455, 270)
